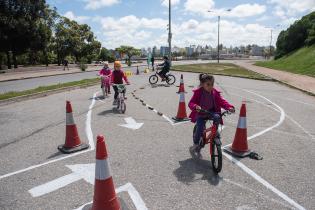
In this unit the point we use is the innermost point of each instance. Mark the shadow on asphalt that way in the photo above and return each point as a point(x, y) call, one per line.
point(113, 111)
point(54, 155)
point(189, 168)
point(160, 85)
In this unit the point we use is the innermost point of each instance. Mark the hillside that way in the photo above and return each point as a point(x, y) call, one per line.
point(301, 61)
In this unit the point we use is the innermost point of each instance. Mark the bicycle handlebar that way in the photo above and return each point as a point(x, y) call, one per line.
point(227, 112)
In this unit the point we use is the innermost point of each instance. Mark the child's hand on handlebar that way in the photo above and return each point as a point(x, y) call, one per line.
point(198, 108)
point(232, 110)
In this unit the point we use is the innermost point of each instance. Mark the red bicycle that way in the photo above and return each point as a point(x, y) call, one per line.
point(212, 137)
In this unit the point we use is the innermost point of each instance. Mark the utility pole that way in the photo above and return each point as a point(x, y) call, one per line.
point(219, 39)
point(270, 43)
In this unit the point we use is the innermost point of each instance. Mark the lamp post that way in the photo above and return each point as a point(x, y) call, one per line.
point(169, 33)
point(228, 10)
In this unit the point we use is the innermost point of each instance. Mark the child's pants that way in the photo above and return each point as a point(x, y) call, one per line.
point(201, 122)
point(117, 93)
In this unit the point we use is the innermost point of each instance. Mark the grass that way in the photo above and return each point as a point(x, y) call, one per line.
point(227, 69)
point(301, 61)
point(41, 89)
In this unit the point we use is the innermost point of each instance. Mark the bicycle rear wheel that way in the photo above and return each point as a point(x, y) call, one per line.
point(170, 79)
point(153, 79)
point(216, 157)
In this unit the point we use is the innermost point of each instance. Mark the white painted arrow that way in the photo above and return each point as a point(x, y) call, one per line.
point(131, 124)
point(79, 171)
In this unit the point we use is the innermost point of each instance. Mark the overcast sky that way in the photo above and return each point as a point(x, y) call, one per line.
point(143, 23)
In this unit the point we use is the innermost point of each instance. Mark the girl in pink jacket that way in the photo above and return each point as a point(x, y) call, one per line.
point(105, 71)
point(208, 98)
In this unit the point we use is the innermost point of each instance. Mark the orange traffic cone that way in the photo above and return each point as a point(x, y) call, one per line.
point(181, 113)
point(72, 140)
point(104, 190)
point(240, 147)
point(181, 85)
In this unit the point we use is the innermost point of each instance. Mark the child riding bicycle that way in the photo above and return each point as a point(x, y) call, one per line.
point(208, 98)
point(117, 78)
point(105, 74)
point(165, 67)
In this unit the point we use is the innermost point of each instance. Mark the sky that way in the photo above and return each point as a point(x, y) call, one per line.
point(143, 23)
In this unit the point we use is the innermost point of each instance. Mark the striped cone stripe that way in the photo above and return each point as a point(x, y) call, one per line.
point(239, 147)
point(72, 139)
point(104, 190)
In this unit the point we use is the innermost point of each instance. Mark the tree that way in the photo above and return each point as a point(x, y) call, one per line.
point(301, 33)
point(129, 51)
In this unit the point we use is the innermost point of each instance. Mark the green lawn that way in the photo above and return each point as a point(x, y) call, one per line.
point(300, 62)
point(226, 69)
point(40, 89)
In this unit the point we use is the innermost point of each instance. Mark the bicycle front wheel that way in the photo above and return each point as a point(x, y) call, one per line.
point(170, 79)
point(123, 107)
point(153, 79)
point(216, 157)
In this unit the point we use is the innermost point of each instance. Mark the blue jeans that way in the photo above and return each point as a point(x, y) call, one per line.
point(201, 122)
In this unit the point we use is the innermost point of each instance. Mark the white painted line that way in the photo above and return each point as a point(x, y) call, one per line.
point(264, 182)
point(133, 193)
point(90, 138)
point(281, 118)
point(88, 129)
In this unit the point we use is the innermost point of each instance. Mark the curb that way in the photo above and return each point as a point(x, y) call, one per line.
point(43, 93)
point(238, 76)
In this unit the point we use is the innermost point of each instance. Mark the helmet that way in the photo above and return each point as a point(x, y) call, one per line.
point(117, 64)
point(165, 57)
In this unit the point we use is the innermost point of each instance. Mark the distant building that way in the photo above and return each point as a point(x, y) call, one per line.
point(144, 52)
point(154, 51)
point(257, 51)
point(164, 51)
point(189, 51)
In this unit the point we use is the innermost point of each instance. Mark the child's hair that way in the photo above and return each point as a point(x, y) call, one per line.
point(205, 77)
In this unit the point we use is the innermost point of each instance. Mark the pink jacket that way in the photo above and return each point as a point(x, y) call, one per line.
point(106, 72)
point(219, 102)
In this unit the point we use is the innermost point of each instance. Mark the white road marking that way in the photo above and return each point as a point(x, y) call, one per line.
point(89, 136)
point(264, 182)
point(133, 193)
point(131, 124)
point(252, 173)
point(79, 171)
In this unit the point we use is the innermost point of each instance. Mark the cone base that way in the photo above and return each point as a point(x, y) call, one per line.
point(66, 150)
point(237, 154)
point(180, 119)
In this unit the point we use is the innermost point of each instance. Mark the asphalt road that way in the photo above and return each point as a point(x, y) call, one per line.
point(155, 158)
point(26, 84)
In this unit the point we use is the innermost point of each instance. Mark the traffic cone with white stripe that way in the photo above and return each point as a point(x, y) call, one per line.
point(181, 113)
point(181, 85)
point(239, 147)
point(104, 190)
point(72, 140)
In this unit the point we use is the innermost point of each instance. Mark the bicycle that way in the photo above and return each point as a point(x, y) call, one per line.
point(121, 105)
point(212, 137)
point(105, 80)
point(169, 78)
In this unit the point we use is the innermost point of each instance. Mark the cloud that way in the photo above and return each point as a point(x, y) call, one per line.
point(199, 6)
point(243, 10)
point(97, 4)
point(165, 3)
point(79, 19)
point(289, 8)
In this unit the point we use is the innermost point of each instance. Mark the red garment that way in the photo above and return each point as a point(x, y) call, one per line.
point(118, 76)
point(219, 102)
point(105, 72)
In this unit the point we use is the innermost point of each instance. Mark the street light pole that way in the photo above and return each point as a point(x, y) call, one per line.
point(219, 39)
point(270, 43)
point(169, 33)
